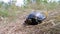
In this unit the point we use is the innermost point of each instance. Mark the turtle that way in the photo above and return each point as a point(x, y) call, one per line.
point(35, 18)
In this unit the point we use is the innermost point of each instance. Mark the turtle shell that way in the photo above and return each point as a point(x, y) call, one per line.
point(36, 15)
point(34, 18)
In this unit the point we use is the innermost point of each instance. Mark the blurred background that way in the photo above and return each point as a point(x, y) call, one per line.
point(14, 12)
point(17, 5)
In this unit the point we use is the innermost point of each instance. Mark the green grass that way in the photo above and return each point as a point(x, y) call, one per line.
point(4, 13)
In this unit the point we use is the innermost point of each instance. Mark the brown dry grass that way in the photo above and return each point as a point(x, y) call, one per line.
point(49, 26)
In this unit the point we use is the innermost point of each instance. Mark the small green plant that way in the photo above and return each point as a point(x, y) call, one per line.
point(4, 13)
